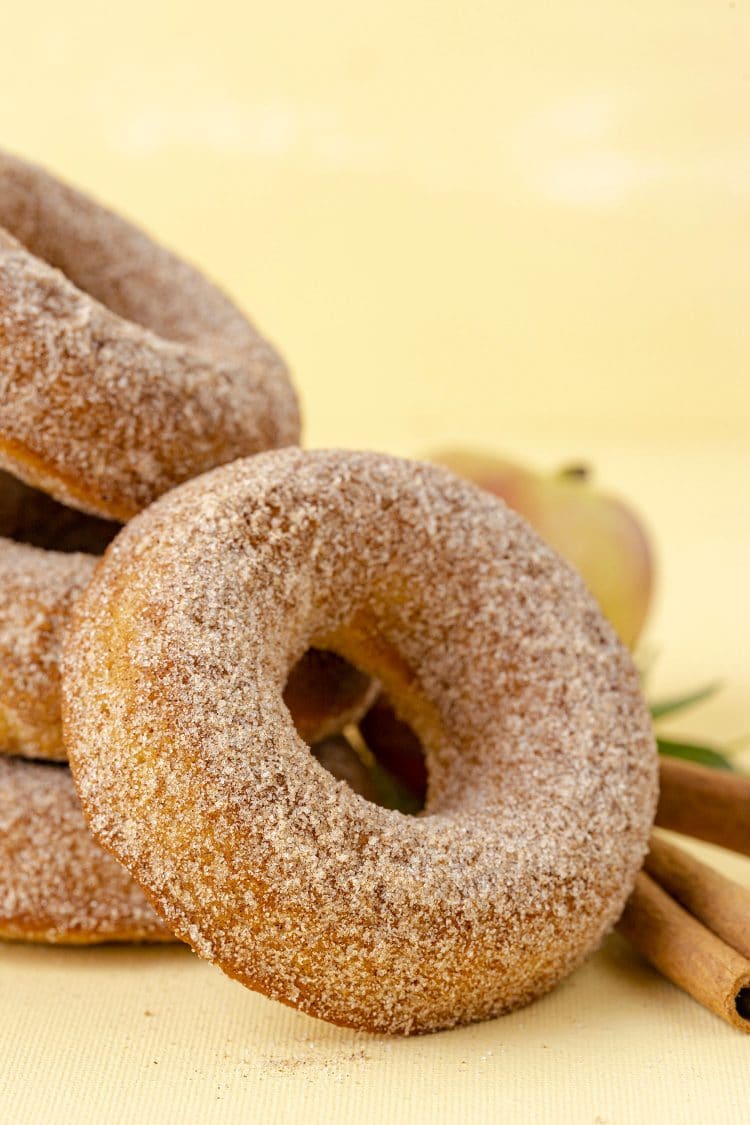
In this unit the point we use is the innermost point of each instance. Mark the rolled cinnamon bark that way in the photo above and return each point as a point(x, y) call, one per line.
point(719, 903)
point(712, 805)
point(687, 953)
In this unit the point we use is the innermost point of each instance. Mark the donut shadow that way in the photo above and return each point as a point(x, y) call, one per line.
point(614, 993)
point(104, 956)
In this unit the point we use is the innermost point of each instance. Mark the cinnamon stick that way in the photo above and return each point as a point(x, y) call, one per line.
point(687, 953)
point(719, 903)
point(710, 804)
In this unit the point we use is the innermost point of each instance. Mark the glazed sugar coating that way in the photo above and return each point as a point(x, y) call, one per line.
point(37, 591)
point(56, 883)
point(542, 764)
point(123, 371)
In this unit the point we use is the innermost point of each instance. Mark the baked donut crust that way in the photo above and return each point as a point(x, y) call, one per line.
point(57, 885)
point(541, 758)
point(123, 371)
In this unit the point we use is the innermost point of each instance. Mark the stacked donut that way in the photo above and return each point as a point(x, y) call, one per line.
point(222, 632)
point(123, 372)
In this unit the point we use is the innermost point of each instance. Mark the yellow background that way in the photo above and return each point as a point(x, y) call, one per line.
point(523, 227)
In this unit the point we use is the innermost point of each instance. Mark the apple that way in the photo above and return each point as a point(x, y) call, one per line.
point(599, 534)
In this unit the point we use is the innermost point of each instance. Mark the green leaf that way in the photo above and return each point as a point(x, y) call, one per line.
point(682, 702)
point(693, 752)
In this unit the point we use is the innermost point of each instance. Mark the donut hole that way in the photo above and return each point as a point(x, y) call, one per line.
point(333, 704)
point(341, 755)
point(742, 1003)
point(348, 757)
point(31, 517)
point(397, 752)
point(325, 693)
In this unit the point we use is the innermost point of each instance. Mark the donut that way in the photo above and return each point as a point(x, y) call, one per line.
point(542, 766)
point(38, 588)
point(123, 371)
point(56, 884)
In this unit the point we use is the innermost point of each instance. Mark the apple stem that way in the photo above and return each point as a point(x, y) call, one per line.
point(575, 471)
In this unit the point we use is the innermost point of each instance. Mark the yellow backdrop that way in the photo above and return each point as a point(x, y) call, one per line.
point(523, 227)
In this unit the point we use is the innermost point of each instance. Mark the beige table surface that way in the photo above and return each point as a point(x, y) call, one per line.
point(523, 227)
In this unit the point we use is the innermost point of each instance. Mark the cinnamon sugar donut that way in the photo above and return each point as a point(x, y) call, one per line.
point(123, 371)
point(37, 591)
point(542, 764)
point(38, 588)
point(56, 884)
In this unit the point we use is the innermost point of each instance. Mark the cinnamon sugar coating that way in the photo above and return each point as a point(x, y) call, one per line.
point(542, 764)
point(123, 371)
point(57, 886)
point(56, 883)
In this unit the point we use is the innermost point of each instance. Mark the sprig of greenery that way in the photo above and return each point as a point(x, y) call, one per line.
point(694, 752)
point(688, 750)
point(678, 703)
